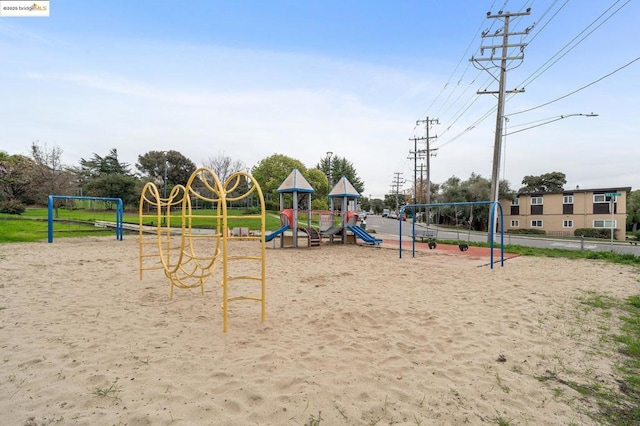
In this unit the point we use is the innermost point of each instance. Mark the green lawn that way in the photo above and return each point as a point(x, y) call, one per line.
point(32, 224)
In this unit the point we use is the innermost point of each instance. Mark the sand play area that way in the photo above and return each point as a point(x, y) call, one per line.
point(353, 336)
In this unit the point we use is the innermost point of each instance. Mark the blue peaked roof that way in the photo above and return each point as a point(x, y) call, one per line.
point(295, 182)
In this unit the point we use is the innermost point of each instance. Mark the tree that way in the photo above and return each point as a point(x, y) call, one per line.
point(155, 165)
point(114, 185)
point(50, 176)
point(548, 182)
point(270, 172)
point(377, 205)
point(224, 166)
point(108, 177)
point(394, 201)
point(474, 189)
point(16, 172)
point(341, 167)
point(633, 210)
point(318, 181)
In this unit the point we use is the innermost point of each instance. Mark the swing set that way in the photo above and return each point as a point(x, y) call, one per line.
point(462, 245)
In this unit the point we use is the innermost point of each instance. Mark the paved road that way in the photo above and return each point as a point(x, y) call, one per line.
point(385, 226)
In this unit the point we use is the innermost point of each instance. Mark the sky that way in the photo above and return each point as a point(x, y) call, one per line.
point(251, 78)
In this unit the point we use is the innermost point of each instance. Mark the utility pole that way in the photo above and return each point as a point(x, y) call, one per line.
point(397, 183)
point(421, 176)
point(415, 155)
point(429, 152)
point(502, 81)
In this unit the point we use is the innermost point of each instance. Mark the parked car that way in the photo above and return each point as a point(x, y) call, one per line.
point(362, 215)
point(385, 212)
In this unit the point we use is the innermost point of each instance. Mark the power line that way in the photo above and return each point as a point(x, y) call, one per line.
point(490, 111)
point(533, 76)
point(462, 58)
point(578, 90)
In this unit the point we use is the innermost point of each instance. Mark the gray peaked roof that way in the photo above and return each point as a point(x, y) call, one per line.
point(344, 189)
point(295, 182)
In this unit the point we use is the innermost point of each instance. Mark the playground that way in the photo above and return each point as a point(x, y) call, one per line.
point(339, 224)
point(353, 335)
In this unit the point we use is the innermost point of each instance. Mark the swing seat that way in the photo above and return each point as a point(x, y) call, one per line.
point(432, 245)
point(463, 247)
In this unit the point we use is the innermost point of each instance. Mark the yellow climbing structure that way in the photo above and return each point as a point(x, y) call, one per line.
point(188, 255)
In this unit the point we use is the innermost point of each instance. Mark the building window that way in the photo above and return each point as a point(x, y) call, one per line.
point(515, 202)
point(567, 199)
point(567, 224)
point(607, 223)
point(600, 198)
point(536, 224)
point(515, 223)
point(535, 201)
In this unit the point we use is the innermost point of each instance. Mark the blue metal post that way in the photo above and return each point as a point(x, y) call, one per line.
point(50, 219)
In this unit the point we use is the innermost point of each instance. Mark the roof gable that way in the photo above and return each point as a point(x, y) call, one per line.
point(344, 189)
point(295, 182)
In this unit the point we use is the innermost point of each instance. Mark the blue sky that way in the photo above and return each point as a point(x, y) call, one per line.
point(249, 79)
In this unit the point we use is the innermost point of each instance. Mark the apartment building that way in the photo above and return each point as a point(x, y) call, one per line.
point(561, 213)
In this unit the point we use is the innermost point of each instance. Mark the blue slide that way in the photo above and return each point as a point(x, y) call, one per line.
point(275, 233)
point(364, 235)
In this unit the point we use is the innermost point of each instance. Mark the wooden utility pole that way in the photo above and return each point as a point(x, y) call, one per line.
point(429, 153)
point(503, 58)
point(415, 155)
point(397, 183)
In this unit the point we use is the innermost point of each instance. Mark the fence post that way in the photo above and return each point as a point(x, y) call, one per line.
point(581, 243)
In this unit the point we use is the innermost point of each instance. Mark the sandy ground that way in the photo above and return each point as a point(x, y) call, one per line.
point(353, 336)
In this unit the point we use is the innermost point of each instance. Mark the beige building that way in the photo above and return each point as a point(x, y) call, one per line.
point(561, 213)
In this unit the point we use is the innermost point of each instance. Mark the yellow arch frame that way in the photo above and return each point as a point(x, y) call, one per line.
point(184, 264)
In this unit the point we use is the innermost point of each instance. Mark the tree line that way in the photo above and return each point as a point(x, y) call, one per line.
point(30, 179)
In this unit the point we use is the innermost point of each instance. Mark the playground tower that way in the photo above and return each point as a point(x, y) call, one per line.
point(341, 194)
point(300, 190)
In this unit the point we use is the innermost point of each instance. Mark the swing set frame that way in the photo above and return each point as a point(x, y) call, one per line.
point(494, 205)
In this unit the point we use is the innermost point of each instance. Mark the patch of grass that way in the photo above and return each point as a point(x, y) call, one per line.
point(503, 422)
point(617, 405)
point(501, 384)
point(598, 301)
point(607, 256)
point(342, 411)
point(108, 391)
point(22, 230)
point(314, 421)
point(557, 393)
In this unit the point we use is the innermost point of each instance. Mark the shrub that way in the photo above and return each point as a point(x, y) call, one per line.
point(593, 233)
point(271, 205)
point(12, 207)
point(522, 231)
point(251, 210)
